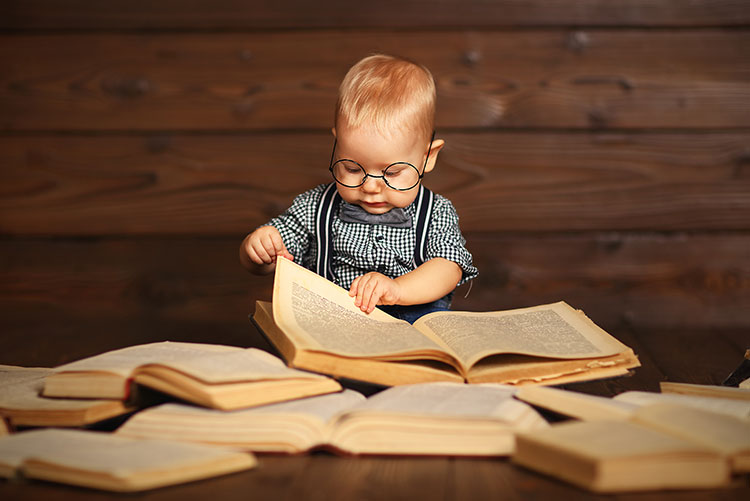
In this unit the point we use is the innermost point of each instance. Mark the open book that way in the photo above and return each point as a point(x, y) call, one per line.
point(21, 405)
point(718, 424)
point(431, 418)
point(315, 325)
point(615, 456)
point(224, 377)
point(105, 461)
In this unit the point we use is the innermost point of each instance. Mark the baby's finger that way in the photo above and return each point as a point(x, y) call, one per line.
point(255, 256)
point(269, 247)
point(279, 247)
point(368, 289)
point(353, 288)
point(374, 298)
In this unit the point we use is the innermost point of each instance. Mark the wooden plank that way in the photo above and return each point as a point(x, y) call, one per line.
point(330, 478)
point(631, 281)
point(238, 14)
point(61, 300)
point(592, 79)
point(64, 300)
point(165, 184)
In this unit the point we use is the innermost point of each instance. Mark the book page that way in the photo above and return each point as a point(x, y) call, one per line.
point(250, 364)
point(124, 360)
point(446, 400)
point(554, 330)
point(322, 408)
point(717, 431)
point(103, 452)
point(737, 408)
point(21, 387)
point(207, 362)
point(319, 315)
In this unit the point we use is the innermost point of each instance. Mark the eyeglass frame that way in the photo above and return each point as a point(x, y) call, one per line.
point(367, 174)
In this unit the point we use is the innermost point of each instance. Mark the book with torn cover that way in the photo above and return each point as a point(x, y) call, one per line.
point(618, 456)
point(422, 419)
point(315, 326)
point(22, 405)
point(109, 462)
point(224, 377)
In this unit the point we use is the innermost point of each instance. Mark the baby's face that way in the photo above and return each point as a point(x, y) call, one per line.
point(375, 152)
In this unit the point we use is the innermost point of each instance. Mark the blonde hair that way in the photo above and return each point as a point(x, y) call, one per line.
point(389, 93)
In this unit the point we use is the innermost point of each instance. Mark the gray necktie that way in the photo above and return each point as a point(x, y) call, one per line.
point(396, 217)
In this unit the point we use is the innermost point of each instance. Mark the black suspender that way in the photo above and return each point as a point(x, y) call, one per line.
point(328, 206)
point(424, 201)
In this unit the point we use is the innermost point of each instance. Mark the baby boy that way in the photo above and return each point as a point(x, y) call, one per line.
point(376, 230)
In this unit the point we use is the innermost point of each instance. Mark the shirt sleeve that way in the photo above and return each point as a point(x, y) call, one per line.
point(297, 224)
point(444, 239)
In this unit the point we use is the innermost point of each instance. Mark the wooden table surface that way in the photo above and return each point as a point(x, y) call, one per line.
point(696, 357)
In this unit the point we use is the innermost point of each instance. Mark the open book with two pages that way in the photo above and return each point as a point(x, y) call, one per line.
point(223, 377)
point(420, 419)
point(315, 326)
point(638, 440)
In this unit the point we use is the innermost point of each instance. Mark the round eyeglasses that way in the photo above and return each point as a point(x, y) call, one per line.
point(400, 176)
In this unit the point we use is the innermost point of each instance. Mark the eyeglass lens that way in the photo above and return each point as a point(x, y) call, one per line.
point(399, 176)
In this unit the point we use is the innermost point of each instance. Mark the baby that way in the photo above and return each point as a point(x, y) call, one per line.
point(376, 230)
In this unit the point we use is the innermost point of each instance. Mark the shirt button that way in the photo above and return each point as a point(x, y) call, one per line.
point(381, 268)
point(379, 238)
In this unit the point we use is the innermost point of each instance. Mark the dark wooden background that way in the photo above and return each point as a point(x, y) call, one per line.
point(598, 151)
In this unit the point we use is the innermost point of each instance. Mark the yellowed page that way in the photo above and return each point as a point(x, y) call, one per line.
point(20, 400)
point(91, 455)
point(206, 362)
point(731, 407)
point(318, 315)
point(436, 418)
point(574, 404)
point(123, 361)
point(726, 434)
point(705, 390)
point(292, 426)
point(554, 330)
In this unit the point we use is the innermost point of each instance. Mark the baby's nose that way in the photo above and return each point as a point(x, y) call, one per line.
point(372, 184)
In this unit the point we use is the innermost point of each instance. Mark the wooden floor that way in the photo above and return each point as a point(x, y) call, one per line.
point(697, 357)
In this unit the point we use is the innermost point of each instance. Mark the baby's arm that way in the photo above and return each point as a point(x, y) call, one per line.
point(260, 248)
point(428, 282)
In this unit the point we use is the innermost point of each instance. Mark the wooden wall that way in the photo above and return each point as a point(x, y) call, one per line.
point(598, 151)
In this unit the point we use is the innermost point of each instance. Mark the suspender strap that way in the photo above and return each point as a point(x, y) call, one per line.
point(425, 200)
point(328, 206)
point(323, 228)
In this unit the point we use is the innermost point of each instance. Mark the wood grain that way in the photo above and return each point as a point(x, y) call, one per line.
point(584, 79)
point(173, 184)
point(238, 14)
point(61, 300)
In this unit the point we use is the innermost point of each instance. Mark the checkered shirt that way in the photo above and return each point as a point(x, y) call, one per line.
point(361, 248)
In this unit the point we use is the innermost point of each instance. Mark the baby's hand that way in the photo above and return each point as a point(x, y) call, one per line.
point(372, 289)
point(264, 245)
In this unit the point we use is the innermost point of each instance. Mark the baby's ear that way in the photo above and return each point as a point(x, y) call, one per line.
point(437, 145)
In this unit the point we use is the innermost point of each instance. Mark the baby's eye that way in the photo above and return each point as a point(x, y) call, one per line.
point(351, 168)
point(395, 171)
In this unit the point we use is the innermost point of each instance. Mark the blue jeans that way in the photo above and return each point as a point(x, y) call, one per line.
point(412, 312)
